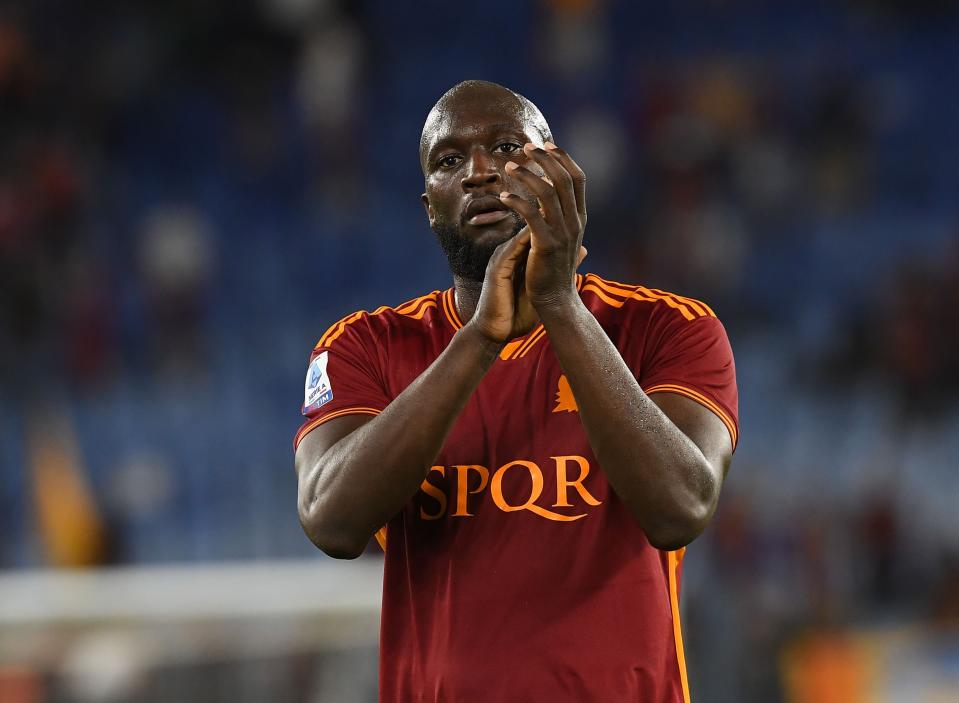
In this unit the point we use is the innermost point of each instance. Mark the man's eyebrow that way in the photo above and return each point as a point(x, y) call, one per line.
point(493, 128)
point(440, 144)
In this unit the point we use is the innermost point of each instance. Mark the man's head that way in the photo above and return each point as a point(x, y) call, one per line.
point(469, 136)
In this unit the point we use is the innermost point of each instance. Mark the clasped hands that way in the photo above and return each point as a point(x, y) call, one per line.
point(532, 274)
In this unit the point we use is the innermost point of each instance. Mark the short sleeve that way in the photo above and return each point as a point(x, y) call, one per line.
point(693, 358)
point(342, 378)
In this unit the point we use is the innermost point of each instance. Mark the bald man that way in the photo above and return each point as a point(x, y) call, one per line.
point(532, 447)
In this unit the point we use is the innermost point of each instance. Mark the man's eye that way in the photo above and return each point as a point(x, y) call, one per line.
point(448, 161)
point(509, 148)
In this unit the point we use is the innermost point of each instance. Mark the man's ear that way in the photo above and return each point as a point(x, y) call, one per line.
point(428, 208)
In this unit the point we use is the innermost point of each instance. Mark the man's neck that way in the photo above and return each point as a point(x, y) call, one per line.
point(467, 297)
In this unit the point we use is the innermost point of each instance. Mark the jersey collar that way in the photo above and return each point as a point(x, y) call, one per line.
point(516, 348)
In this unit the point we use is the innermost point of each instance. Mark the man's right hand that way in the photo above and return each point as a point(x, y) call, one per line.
point(504, 311)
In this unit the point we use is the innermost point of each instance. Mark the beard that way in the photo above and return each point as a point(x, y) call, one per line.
point(468, 258)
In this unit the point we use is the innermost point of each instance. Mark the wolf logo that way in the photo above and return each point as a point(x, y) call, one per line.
point(565, 402)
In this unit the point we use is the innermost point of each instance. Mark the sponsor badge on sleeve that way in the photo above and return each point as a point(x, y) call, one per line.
point(319, 392)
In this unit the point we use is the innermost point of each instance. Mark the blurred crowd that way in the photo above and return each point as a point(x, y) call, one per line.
point(190, 192)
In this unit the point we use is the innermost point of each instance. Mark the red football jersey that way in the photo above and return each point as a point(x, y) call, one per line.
point(515, 573)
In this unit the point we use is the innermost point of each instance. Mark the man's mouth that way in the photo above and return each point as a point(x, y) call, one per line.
point(486, 210)
point(488, 218)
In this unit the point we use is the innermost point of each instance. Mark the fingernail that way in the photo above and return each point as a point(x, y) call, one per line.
point(550, 146)
point(504, 194)
point(510, 165)
point(529, 146)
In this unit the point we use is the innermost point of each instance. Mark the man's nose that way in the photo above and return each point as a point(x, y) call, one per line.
point(481, 171)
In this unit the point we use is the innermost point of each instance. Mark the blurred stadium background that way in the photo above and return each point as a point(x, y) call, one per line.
point(190, 192)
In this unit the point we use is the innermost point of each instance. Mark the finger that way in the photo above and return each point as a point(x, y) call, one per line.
point(536, 225)
point(543, 190)
point(560, 178)
point(509, 253)
point(582, 255)
point(576, 174)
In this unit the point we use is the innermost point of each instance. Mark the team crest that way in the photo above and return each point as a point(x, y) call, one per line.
point(564, 397)
point(318, 391)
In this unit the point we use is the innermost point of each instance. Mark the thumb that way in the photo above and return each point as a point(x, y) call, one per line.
point(509, 253)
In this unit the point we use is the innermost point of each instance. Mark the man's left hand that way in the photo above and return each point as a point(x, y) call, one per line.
point(556, 227)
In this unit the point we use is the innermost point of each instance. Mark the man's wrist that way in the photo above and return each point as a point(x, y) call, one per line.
point(560, 305)
point(488, 349)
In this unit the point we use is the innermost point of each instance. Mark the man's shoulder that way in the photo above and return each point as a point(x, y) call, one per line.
point(417, 312)
point(629, 301)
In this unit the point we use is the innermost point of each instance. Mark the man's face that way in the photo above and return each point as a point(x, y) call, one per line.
point(468, 142)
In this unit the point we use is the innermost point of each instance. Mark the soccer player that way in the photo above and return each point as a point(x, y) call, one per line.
point(538, 445)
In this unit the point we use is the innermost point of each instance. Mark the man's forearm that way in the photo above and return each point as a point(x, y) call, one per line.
point(363, 480)
point(655, 469)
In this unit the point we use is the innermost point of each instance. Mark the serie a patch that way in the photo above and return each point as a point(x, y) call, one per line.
point(318, 390)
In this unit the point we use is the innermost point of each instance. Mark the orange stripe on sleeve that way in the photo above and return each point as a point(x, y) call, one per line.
point(670, 302)
point(418, 314)
point(707, 311)
point(616, 294)
point(411, 308)
point(698, 305)
point(408, 307)
point(339, 332)
point(619, 289)
point(700, 308)
point(310, 426)
point(702, 400)
point(604, 289)
point(673, 560)
point(602, 296)
point(337, 326)
point(676, 302)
